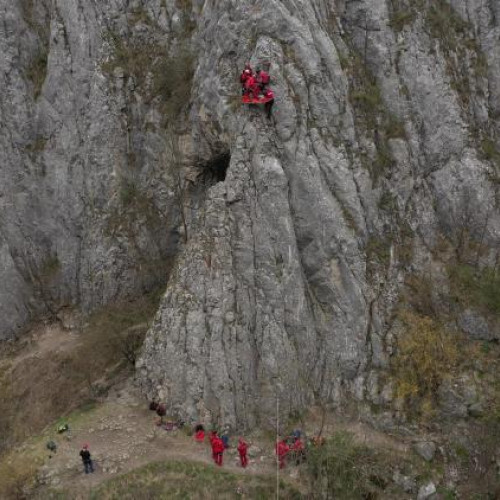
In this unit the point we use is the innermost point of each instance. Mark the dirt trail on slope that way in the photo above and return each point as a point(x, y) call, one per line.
point(122, 436)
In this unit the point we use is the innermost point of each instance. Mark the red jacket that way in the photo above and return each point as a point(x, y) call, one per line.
point(245, 75)
point(282, 449)
point(217, 445)
point(269, 94)
point(242, 447)
point(263, 78)
point(298, 445)
point(250, 82)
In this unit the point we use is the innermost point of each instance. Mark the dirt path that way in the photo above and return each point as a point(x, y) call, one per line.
point(122, 436)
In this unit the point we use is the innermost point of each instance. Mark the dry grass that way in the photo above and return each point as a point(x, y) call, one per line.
point(426, 354)
point(178, 480)
point(44, 387)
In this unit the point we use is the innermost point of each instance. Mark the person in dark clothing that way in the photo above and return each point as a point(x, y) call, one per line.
point(269, 94)
point(86, 459)
point(225, 439)
point(161, 411)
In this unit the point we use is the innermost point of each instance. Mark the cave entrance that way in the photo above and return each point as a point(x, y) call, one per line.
point(215, 169)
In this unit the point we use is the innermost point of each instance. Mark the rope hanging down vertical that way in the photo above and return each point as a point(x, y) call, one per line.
point(277, 441)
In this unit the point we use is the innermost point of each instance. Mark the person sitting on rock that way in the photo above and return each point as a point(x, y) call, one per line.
point(86, 458)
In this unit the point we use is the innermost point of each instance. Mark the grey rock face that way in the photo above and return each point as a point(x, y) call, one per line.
point(284, 288)
point(87, 208)
point(476, 327)
point(289, 266)
point(426, 449)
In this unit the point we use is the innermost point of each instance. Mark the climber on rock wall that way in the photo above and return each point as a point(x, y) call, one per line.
point(269, 94)
point(263, 79)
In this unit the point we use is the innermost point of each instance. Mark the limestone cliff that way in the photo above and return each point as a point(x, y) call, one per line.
point(124, 145)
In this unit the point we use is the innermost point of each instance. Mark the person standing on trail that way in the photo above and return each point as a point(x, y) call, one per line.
point(242, 450)
point(282, 450)
point(298, 450)
point(86, 459)
point(225, 439)
point(217, 450)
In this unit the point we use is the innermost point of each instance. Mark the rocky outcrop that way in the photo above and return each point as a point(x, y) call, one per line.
point(88, 208)
point(124, 145)
point(373, 155)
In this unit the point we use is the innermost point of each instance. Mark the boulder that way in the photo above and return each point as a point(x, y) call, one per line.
point(427, 491)
point(426, 449)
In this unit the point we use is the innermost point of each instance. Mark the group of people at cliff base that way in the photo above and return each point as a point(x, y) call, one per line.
point(220, 443)
point(292, 448)
point(256, 86)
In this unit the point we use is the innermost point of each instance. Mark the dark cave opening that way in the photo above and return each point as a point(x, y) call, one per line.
point(215, 169)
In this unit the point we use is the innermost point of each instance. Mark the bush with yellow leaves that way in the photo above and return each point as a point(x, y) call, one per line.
point(426, 354)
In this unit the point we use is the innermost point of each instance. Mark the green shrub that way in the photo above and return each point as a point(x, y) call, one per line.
point(340, 469)
point(489, 150)
point(128, 192)
point(171, 74)
point(445, 24)
point(401, 18)
point(476, 287)
point(394, 128)
point(172, 80)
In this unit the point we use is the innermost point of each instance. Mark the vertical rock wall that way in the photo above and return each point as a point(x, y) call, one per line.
point(117, 123)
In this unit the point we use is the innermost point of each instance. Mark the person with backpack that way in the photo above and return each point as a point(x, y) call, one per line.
point(242, 450)
point(86, 458)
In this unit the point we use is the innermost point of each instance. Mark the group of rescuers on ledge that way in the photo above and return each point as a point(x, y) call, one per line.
point(255, 88)
point(292, 447)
